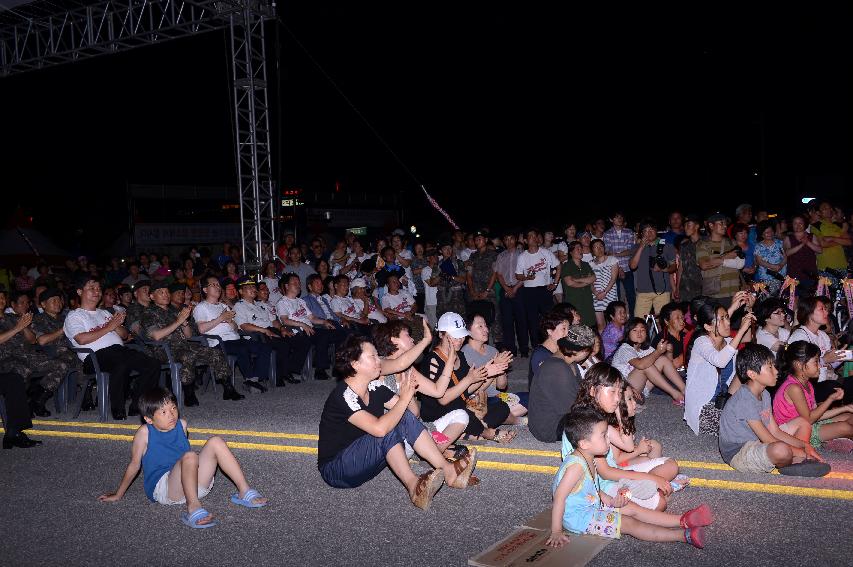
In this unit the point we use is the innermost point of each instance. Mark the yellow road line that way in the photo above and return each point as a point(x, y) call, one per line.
point(774, 488)
point(247, 433)
point(496, 465)
point(116, 437)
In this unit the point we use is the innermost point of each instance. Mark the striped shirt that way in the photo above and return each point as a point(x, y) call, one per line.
point(505, 265)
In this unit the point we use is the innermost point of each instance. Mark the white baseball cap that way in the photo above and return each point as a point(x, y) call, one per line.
point(358, 282)
point(453, 324)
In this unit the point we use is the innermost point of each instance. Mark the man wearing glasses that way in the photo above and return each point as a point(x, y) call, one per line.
point(719, 262)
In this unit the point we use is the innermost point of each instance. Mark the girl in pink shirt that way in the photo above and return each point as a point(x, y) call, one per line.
point(794, 405)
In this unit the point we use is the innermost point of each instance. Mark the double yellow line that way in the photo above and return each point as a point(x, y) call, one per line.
point(835, 494)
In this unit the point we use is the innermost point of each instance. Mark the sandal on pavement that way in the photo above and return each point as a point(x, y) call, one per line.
point(247, 500)
point(457, 452)
point(192, 520)
point(428, 484)
point(464, 467)
point(504, 436)
point(680, 482)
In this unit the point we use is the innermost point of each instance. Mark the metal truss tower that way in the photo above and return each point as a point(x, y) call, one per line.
point(258, 203)
point(45, 33)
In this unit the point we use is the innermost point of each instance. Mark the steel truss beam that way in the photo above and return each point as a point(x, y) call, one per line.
point(258, 205)
point(114, 26)
point(106, 27)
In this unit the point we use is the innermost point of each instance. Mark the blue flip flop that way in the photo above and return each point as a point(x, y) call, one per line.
point(191, 520)
point(246, 501)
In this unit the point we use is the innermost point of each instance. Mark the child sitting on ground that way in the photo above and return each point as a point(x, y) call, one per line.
point(750, 438)
point(581, 508)
point(800, 363)
point(643, 457)
point(648, 480)
point(172, 473)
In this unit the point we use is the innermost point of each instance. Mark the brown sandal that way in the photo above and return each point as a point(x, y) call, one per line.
point(428, 484)
point(504, 436)
point(464, 467)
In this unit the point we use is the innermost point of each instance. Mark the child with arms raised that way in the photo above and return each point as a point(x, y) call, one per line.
point(581, 508)
point(172, 473)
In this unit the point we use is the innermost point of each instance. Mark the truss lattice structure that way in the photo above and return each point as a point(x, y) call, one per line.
point(44, 33)
point(258, 204)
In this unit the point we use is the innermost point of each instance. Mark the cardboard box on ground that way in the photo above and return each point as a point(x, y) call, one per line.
point(526, 546)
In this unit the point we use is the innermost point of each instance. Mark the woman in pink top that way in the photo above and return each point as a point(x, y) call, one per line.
point(794, 405)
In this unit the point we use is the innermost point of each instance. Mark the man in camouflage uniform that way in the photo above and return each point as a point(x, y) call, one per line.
point(481, 286)
point(450, 279)
point(162, 321)
point(19, 355)
point(141, 292)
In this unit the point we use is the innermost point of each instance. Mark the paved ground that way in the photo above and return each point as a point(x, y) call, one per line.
point(50, 515)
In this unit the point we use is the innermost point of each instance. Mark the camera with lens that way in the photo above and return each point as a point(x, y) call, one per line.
point(738, 252)
point(658, 259)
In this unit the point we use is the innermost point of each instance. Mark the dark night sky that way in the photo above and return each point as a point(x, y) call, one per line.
point(582, 108)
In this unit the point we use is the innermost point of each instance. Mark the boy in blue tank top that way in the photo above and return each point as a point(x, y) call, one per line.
point(172, 473)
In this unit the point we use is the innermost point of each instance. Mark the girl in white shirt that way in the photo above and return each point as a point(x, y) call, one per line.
point(711, 349)
point(639, 363)
point(812, 314)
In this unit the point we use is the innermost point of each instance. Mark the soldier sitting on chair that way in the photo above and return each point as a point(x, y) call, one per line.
point(163, 322)
point(18, 354)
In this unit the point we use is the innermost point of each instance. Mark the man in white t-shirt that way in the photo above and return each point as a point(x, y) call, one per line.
point(215, 318)
point(255, 317)
point(292, 311)
point(346, 309)
point(96, 329)
point(537, 270)
point(397, 303)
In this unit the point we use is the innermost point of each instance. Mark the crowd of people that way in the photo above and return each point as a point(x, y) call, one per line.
point(722, 315)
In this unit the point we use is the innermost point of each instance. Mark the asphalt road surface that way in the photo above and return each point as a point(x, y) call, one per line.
point(50, 515)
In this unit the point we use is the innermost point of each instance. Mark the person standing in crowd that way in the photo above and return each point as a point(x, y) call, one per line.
point(536, 269)
point(513, 318)
point(831, 239)
point(577, 279)
point(676, 228)
point(481, 285)
point(769, 255)
point(450, 281)
point(604, 290)
point(719, 262)
point(619, 242)
point(740, 234)
point(652, 261)
point(689, 274)
point(801, 249)
point(430, 291)
point(295, 265)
